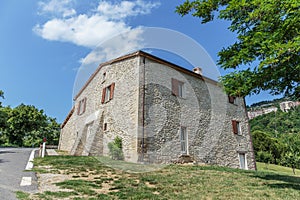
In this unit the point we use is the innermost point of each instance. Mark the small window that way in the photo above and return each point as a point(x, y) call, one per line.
point(232, 99)
point(243, 161)
point(108, 93)
point(237, 129)
point(105, 127)
point(177, 88)
point(81, 106)
point(103, 76)
point(183, 140)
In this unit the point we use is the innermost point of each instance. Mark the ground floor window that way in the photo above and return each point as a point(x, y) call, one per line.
point(243, 161)
point(183, 140)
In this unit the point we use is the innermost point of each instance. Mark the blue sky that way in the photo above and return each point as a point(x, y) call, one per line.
point(44, 42)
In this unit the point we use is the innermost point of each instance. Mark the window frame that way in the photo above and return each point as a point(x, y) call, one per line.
point(81, 106)
point(103, 77)
point(108, 93)
point(237, 128)
point(243, 165)
point(232, 99)
point(183, 136)
point(105, 127)
point(177, 88)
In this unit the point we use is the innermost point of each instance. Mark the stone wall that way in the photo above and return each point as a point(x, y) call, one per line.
point(119, 114)
point(68, 135)
point(148, 117)
point(205, 112)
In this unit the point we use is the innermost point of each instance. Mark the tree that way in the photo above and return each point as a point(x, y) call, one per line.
point(266, 157)
point(27, 126)
point(1, 96)
point(291, 159)
point(266, 53)
point(265, 146)
point(115, 149)
point(22, 120)
point(3, 119)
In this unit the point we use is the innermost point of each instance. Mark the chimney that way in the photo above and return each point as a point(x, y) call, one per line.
point(197, 70)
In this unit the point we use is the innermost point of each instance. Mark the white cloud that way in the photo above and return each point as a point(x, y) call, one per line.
point(57, 7)
point(116, 46)
point(81, 30)
point(90, 29)
point(126, 8)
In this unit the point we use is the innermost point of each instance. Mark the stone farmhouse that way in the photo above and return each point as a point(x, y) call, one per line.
point(164, 113)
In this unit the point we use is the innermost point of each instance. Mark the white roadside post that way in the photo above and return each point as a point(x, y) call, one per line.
point(44, 147)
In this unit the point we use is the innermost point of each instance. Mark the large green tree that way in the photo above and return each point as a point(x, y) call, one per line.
point(265, 55)
point(27, 126)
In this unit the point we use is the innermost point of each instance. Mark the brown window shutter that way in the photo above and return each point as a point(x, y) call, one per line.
point(84, 105)
point(78, 109)
point(234, 126)
point(103, 95)
point(231, 99)
point(174, 87)
point(112, 89)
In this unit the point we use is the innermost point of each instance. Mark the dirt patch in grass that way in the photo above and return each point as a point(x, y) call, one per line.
point(47, 182)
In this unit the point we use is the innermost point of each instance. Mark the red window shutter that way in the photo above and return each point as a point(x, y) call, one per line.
point(112, 89)
point(84, 105)
point(234, 127)
point(174, 87)
point(103, 95)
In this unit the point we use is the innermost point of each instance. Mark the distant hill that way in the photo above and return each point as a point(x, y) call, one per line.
point(278, 123)
point(276, 137)
point(268, 103)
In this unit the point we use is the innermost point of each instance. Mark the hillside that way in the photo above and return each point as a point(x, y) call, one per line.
point(89, 178)
point(276, 137)
point(278, 122)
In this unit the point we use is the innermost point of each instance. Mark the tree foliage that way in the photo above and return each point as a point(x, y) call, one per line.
point(25, 125)
point(116, 149)
point(265, 55)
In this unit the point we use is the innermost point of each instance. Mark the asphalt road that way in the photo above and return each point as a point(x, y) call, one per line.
point(12, 170)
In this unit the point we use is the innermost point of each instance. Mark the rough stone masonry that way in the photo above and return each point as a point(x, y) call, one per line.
point(162, 112)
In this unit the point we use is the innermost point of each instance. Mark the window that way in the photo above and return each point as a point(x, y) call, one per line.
point(231, 99)
point(243, 161)
point(108, 93)
point(237, 129)
point(177, 88)
point(103, 77)
point(81, 106)
point(183, 140)
point(105, 127)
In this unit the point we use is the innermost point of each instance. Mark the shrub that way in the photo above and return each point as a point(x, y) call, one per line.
point(115, 149)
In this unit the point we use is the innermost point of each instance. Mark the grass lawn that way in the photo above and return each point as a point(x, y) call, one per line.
point(276, 168)
point(91, 179)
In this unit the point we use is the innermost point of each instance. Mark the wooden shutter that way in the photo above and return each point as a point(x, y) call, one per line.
point(112, 89)
point(103, 95)
point(234, 127)
point(84, 104)
point(231, 99)
point(78, 109)
point(174, 87)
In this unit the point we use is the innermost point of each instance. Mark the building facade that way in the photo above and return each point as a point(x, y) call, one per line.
point(163, 113)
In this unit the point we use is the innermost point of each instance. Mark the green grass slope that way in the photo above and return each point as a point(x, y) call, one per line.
point(92, 179)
